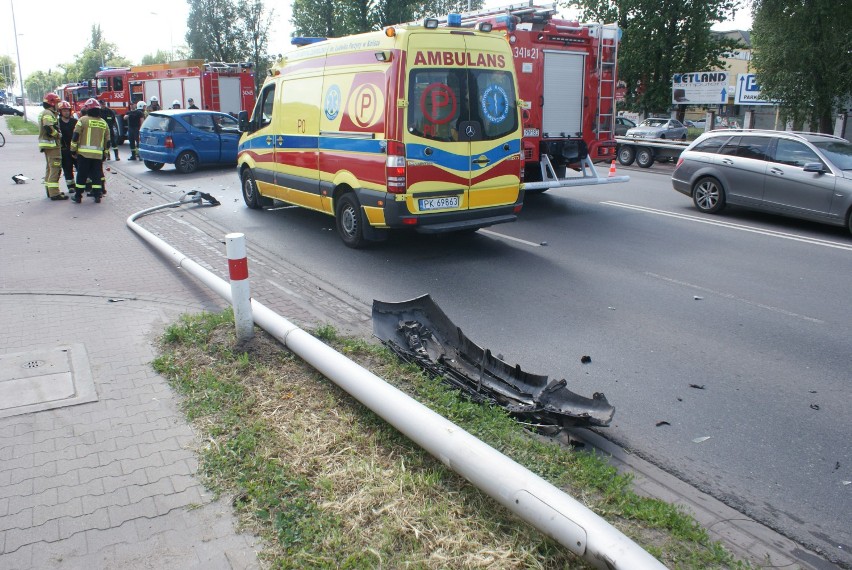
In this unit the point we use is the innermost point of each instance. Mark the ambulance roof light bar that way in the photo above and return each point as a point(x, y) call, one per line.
point(306, 41)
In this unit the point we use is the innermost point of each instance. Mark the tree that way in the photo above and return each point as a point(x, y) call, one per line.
point(7, 72)
point(661, 38)
point(159, 57)
point(802, 54)
point(212, 33)
point(255, 22)
point(335, 18)
point(39, 83)
point(99, 53)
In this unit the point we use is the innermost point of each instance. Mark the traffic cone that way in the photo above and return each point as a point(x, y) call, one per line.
point(612, 169)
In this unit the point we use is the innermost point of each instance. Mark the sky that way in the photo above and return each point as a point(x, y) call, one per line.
point(137, 31)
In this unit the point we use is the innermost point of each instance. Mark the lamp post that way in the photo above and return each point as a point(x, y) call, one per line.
point(18, 52)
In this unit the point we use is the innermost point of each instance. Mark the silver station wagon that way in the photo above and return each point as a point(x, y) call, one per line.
point(801, 175)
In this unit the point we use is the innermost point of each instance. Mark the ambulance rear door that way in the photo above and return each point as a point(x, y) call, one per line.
point(461, 123)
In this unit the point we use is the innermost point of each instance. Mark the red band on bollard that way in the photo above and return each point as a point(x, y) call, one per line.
point(238, 269)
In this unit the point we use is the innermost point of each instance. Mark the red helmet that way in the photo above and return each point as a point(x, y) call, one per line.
point(90, 103)
point(63, 105)
point(51, 99)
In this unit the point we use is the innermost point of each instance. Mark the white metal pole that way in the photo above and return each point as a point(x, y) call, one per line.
point(18, 52)
point(235, 245)
point(533, 499)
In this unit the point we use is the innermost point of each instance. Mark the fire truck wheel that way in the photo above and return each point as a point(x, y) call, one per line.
point(626, 155)
point(350, 220)
point(250, 194)
point(186, 162)
point(153, 165)
point(644, 157)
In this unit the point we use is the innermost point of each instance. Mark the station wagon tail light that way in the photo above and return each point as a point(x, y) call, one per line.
point(395, 168)
point(169, 143)
point(679, 162)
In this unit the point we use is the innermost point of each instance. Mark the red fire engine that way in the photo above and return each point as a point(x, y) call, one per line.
point(75, 93)
point(567, 79)
point(225, 87)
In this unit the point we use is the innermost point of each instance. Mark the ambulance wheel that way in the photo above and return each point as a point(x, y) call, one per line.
point(644, 157)
point(350, 220)
point(250, 193)
point(153, 165)
point(186, 162)
point(626, 155)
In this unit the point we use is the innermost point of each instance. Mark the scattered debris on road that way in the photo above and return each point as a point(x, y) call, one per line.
point(815, 406)
point(663, 423)
point(418, 331)
point(701, 439)
point(585, 359)
point(697, 386)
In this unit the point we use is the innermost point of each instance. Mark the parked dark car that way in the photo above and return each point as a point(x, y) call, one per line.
point(621, 126)
point(188, 139)
point(801, 175)
point(9, 110)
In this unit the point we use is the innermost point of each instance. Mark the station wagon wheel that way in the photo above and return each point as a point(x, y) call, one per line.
point(626, 155)
point(186, 162)
point(350, 220)
point(708, 195)
point(250, 194)
point(153, 165)
point(644, 157)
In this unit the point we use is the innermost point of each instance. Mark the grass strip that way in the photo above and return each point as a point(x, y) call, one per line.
point(18, 126)
point(329, 484)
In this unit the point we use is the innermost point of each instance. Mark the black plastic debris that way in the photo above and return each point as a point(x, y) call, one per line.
point(418, 331)
point(663, 423)
point(585, 359)
point(697, 386)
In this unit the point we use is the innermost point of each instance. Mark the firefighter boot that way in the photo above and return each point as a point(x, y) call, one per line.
point(115, 152)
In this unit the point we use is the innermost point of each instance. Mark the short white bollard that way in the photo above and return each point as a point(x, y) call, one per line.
point(235, 246)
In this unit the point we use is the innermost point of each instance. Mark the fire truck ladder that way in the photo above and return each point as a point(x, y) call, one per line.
point(607, 58)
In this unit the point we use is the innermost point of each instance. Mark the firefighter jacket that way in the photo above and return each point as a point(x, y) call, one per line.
point(48, 133)
point(91, 137)
point(67, 131)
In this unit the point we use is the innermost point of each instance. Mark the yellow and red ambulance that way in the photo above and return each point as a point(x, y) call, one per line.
point(411, 127)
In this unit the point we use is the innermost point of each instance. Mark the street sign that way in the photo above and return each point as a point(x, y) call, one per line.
point(748, 91)
point(700, 88)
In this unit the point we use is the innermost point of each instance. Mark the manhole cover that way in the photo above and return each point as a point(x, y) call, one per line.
point(45, 379)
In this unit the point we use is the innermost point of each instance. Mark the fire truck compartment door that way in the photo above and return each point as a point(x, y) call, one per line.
point(562, 112)
point(229, 95)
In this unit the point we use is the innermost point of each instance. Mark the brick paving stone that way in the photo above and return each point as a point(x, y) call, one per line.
point(53, 554)
point(17, 537)
point(77, 526)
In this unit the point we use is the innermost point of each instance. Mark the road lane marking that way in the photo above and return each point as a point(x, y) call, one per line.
point(735, 298)
point(733, 226)
point(504, 236)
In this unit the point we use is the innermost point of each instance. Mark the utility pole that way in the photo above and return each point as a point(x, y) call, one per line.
point(18, 52)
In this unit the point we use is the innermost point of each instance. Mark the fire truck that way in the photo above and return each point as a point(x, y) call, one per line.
point(567, 80)
point(76, 93)
point(216, 86)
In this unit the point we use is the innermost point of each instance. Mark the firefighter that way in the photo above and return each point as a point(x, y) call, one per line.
point(91, 145)
point(191, 102)
point(66, 128)
point(154, 105)
point(175, 104)
point(134, 122)
point(108, 115)
point(49, 141)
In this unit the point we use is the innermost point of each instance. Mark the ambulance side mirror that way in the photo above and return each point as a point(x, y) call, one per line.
point(245, 125)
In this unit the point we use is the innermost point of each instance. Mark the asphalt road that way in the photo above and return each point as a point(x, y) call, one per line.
point(753, 310)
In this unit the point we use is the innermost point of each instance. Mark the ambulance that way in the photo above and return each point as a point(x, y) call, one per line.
point(413, 127)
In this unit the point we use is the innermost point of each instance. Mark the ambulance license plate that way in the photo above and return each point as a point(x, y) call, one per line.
point(439, 203)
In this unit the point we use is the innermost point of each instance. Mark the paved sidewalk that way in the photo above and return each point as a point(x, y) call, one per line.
point(110, 483)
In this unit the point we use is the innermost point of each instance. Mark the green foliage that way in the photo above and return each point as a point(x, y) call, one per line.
point(159, 56)
point(7, 71)
point(336, 18)
point(661, 39)
point(803, 57)
point(39, 83)
point(326, 332)
point(231, 31)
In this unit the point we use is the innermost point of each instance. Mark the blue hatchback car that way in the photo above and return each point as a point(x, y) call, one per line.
point(188, 138)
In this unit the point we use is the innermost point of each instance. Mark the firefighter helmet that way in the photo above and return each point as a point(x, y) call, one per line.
point(51, 99)
point(175, 104)
point(90, 103)
point(154, 99)
point(63, 105)
point(140, 106)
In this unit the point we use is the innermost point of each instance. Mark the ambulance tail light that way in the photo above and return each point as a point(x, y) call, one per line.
point(169, 143)
point(395, 168)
